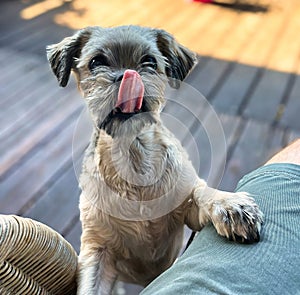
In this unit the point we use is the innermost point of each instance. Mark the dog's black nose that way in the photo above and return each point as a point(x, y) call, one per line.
point(118, 78)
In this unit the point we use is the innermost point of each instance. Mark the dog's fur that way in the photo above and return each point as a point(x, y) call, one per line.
point(133, 157)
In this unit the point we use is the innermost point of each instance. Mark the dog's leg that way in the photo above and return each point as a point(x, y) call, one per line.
point(96, 273)
point(234, 215)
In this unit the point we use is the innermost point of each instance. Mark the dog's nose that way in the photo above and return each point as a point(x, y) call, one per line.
point(119, 78)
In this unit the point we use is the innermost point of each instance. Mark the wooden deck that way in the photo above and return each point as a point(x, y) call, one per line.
point(249, 72)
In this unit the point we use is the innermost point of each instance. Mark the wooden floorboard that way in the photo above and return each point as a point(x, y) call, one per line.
point(210, 74)
point(291, 136)
point(233, 91)
point(257, 139)
point(64, 191)
point(237, 108)
point(42, 132)
point(32, 176)
point(290, 115)
point(267, 96)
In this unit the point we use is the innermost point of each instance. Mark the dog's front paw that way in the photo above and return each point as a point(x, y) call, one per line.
point(237, 217)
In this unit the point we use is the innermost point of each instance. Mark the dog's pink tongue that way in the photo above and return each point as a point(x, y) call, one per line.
point(131, 92)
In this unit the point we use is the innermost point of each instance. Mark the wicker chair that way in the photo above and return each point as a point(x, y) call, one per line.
point(34, 259)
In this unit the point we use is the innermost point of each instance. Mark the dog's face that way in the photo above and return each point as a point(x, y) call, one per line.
point(122, 72)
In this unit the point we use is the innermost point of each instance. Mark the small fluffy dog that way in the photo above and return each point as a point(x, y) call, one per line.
point(138, 185)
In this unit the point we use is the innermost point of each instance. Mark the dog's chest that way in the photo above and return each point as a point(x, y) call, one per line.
point(140, 169)
point(148, 249)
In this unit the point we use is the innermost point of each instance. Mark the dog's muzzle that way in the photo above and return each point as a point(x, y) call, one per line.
point(130, 101)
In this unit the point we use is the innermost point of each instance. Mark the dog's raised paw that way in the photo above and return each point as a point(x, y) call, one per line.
point(237, 217)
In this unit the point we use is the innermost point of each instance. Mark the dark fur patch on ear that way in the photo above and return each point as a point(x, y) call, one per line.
point(180, 59)
point(61, 55)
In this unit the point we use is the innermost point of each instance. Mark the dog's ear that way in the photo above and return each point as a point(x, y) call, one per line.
point(61, 55)
point(180, 60)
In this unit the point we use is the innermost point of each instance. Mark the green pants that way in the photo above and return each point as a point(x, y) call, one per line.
point(214, 265)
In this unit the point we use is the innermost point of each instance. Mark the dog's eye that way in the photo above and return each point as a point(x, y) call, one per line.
point(98, 61)
point(149, 61)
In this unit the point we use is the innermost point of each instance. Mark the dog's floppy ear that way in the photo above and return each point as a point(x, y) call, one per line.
point(61, 55)
point(180, 59)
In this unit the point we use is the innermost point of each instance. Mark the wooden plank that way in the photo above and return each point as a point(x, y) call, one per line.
point(195, 16)
point(290, 136)
point(237, 41)
point(5, 53)
point(261, 46)
point(267, 96)
point(184, 106)
point(13, 154)
point(290, 117)
point(15, 88)
point(284, 57)
point(22, 76)
point(34, 40)
point(60, 200)
point(10, 11)
point(202, 18)
point(38, 172)
point(35, 43)
point(184, 14)
point(138, 18)
point(101, 13)
point(19, 29)
point(231, 125)
point(205, 80)
point(286, 52)
point(17, 65)
point(232, 93)
point(214, 34)
point(32, 113)
point(34, 108)
point(73, 236)
point(207, 147)
point(127, 289)
point(15, 60)
point(254, 147)
point(35, 92)
point(194, 24)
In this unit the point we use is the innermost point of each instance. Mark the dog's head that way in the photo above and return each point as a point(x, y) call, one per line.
point(122, 72)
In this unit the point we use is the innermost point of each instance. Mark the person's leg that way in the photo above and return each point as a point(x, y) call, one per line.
point(290, 154)
point(213, 265)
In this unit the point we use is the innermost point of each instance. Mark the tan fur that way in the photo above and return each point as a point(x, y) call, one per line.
point(135, 170)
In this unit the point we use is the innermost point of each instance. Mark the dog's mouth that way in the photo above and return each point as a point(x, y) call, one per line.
point(123, 116)
point(131, 93)
point(130, 101)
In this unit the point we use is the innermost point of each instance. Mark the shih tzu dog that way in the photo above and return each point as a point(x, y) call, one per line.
point(138, 186)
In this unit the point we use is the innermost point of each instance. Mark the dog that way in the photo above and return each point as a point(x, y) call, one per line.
point(138, 185)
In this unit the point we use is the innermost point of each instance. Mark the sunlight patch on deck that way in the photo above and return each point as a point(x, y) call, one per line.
point(256, 39)
point(40, 8)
